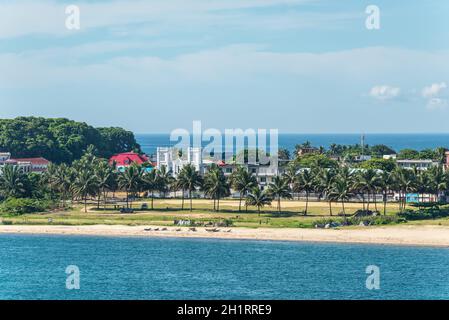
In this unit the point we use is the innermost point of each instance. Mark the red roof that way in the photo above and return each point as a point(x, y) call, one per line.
point(34, 161)
point(127, 158)
point(221, 163)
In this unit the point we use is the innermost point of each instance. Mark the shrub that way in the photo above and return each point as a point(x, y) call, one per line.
point(355, 221)
point(424, 214)
point(18, 206)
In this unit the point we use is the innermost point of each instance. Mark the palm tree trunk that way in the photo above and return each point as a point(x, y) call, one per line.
point(258, 210)
point(190, 197)
point(330, 207)
point(344, 211)
point(240, 203)
point(279, 205)
point(385, 203)
point(85, 204)
point(307, 203)
point(127, 199)
point(375, 200)
point(367, 205)
point(152, 200)
point(98, 201)
point(182, 202)
point(218, 204)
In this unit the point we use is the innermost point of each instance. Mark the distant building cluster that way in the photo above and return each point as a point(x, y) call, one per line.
point(27, 165)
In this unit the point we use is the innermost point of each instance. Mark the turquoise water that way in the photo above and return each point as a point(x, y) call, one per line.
point(33, 267)
point(150, 142)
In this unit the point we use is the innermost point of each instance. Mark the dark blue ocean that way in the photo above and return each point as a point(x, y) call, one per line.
point(33, 267)
point(150, 142)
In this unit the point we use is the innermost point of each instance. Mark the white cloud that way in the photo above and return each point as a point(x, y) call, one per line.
point(437, 104)
point(436, 96)
point(434, 90)
point(20, 18)
point(384, 92)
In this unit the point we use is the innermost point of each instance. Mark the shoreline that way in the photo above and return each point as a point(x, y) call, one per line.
point(427, 236)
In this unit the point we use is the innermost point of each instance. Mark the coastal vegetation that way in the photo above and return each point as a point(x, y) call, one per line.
point(91, 190)
point(61, 140)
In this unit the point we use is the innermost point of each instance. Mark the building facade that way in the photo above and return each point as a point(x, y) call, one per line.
point(174, 160)
point(418, 164)
point(27, 165)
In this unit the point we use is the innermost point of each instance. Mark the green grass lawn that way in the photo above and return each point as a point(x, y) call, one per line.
point(166, 211)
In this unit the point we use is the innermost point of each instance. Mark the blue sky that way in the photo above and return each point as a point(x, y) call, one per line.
point(294, 65)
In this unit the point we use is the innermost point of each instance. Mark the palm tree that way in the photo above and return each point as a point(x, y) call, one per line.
point(366, 181)
point(243, 182)
point(291, 174)
point(305, 181)
point(341, 191)
point(405, 181)
point(215, 185)
point(189, 179)
point(279, 189)
point(130, 180)
point(438, 180)
point(85, 185)
point(385, 183)
point(61, 180)
point(12, 181)
point(324, 180)
point(166, 179)
point(258, 198)
point(104, 173)
point(151, 184)
point(422, 183)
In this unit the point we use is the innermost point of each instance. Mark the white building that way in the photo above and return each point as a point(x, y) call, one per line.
point(174, 160)
point(36, 165)
point(418, 164)
point(389, 156)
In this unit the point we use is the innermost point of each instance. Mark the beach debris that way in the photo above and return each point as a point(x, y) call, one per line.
point(164, 229)
point(178, 229)
point(157, 229)
point(192, 229)
point(148, 229)
point(213, 230)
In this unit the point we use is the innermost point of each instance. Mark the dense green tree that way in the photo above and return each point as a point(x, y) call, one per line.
point(60, 140)
point(324, 181)
point(258, 199)
point(12, 182)
point(379, 164)
point(215, 185)
point(85, 185)
point(305, 182)
point(130, 180)
point(151, 184)
point(279, 189)
point(243, 182)
point(189, 179)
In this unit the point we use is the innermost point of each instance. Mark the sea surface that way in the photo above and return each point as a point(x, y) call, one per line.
point(33, 267)
point(150, 142)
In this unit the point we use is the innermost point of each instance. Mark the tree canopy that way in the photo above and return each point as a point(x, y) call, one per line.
point(61, 140)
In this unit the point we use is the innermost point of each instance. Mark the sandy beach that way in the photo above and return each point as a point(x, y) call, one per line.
point(397, 235)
